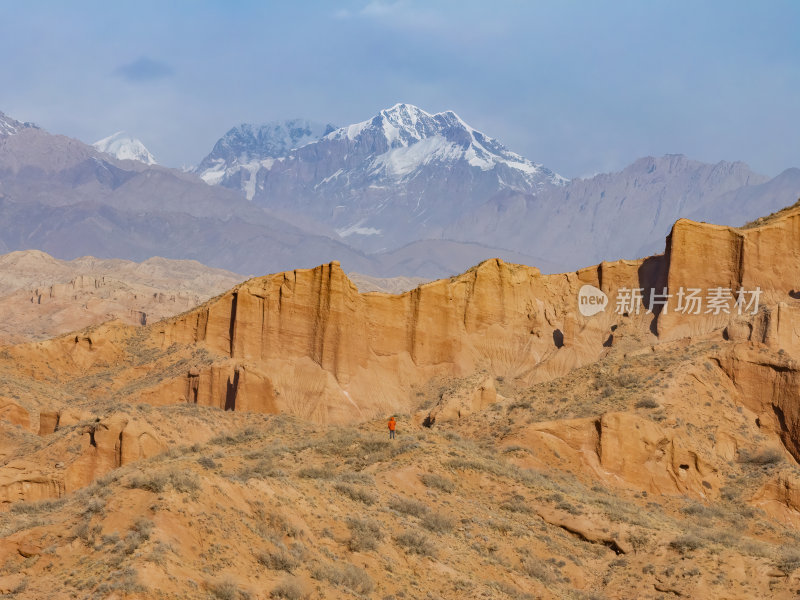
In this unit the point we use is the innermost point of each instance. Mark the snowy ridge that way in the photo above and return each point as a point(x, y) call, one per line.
point(9, 126)
point(416, 138)
point(247, 148)
point(402, 175)
point(122, 146)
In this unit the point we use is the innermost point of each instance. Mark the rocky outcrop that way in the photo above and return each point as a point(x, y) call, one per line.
point(623, 448)
point(462, 402)
point(13, 413)
point(780, 498)
point(308, 343)
point(364, 351)
point(111, 443)
point(26, 480)
point(360, 353)
point(591, 528)
point(705, 257)
point(769, 386)
point(65, 466)
point(51, 421)
point(229, 386)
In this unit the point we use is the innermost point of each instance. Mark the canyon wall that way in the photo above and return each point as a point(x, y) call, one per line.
point(318, 348)
point(331, 353)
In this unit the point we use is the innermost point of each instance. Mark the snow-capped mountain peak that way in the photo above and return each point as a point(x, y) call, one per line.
point(402, 174)
point(120, 145)
point(415, 138)
point(401, 125)
point(246, 148)
point(9, 126)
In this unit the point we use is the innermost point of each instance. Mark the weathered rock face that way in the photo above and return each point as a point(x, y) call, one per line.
point(23, 480)
point(14, 413)
point(230, 386)
point(50, 421)
point(627, 450)
point(462, 402)
point(107, 444)
point(310, 344)
point(780, 498)
point(334, 354)
point(102, 445)
point(706, 256)
point(769, 388)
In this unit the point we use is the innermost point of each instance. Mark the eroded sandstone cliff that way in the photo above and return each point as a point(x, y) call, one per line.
point(307, 343)
point(309, 333)
point(655, 450)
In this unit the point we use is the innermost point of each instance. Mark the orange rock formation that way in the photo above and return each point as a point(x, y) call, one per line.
point(658, 449)
point(307, 342)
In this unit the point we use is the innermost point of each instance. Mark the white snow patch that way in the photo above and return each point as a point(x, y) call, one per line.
point(329, 178)
point(249, 186)
point(399, 162)
point(358, 230)
point(478, 160)
point(351, 132)
point(124, 147)
point(215, 174)
point(7, 128)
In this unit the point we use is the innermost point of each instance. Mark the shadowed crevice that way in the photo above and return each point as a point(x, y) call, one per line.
point(230, 393)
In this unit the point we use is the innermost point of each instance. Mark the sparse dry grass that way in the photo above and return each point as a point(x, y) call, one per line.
point(415, 542)
point(319, 503)
point(346, 575)
point(356, 493)
point(438, 482)
point(157, 482)
point(365, 534)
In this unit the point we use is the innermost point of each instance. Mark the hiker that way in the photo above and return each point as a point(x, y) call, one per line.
point(392, 425)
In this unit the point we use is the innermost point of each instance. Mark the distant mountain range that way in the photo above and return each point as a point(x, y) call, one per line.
point(401, 176)
point(405, 193)
point(625, 214)
point(406, 176)
point(68, 199)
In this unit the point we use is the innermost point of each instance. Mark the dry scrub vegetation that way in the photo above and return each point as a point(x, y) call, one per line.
point(305, 511)
point(275, 507)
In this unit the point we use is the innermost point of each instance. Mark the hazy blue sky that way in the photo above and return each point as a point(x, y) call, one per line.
point(582, 87)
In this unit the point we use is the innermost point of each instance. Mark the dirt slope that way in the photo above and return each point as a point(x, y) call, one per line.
point(542, 453)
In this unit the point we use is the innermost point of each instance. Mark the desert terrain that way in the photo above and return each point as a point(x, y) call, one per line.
point(239, 449)
point(41, 296)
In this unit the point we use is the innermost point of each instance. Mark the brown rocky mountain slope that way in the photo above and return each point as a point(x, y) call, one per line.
point(542, 453)
point(389, 285)
point(41, 296)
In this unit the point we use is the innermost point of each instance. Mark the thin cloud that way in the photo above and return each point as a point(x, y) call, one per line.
point(374, 9)
point(382, 9)
point(450, 21)
point(144, 69)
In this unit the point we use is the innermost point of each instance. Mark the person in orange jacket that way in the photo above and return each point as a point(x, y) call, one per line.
point(392, 426)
